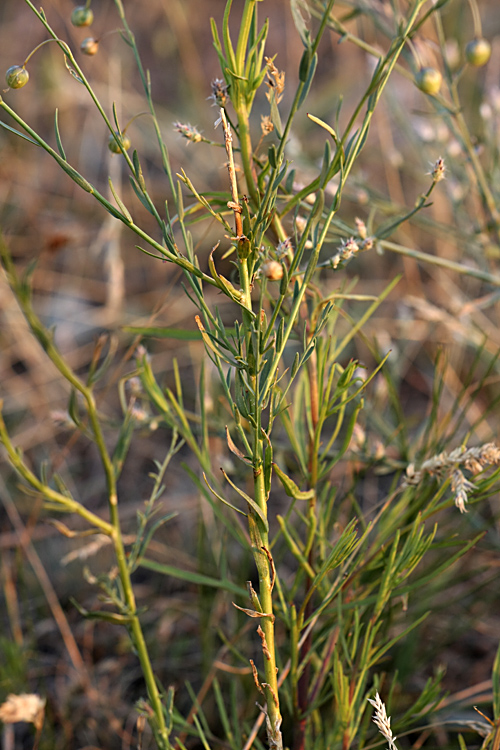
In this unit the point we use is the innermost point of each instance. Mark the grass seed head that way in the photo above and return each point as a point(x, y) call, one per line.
point(27, 707)
point(188, 131)
point(383, 721)
point(438, 170)
point(219, 92)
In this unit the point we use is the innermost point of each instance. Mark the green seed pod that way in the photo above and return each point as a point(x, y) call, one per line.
point(90, 46)
point(478, 52)
point(429, 80)
point(82, 16)
point(17, 77)
point(304, 66)
point(244, 247)
point(113, 145)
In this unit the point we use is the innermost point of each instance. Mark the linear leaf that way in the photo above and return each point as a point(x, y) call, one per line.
point(249, 500)
point(223, 500)
point(17, 132)
point(164, 333)
point(121, 205)
point(58, 135)
point(192, 577)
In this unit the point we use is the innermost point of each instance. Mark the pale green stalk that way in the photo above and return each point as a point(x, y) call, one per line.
point(436, 260)
point(113, 529)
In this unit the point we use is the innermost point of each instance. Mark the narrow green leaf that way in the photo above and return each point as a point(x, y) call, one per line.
point(123, 443)
point(235, 450)
point(249, 500)
point(161, 332)
point(120, 203)
point(140, 196)
point(293, 546)
point(325, 126)
point(138, 170)
point(275, 117)
point(495, 677)
point(310, 77)
point(223, 500)
point(299, 10)
point(17, 132)
point(290, 487)
point(73, 408)
point(379, 653)
point(192, 577)
point(58, 135)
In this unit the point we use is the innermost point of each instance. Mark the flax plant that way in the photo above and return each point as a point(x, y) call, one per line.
point(285, 373)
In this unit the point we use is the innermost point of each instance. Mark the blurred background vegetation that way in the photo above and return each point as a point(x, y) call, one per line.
point(90, 280)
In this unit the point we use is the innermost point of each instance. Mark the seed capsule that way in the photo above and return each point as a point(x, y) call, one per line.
point(272, 270)
point(90, 46)
point(478, 52)
point(82, 16)
point(113, 145)
point(429, 80)
point(17, 77)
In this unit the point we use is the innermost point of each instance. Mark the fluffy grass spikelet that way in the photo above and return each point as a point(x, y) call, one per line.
point(27, 707)
point(448, 466)
point(383, 721)
point(188, 131)
point(275, 81)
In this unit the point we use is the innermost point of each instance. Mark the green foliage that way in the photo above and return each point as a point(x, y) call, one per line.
point(342, 583)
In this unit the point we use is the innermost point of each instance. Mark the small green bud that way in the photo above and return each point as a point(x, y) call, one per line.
point(82, 16)
point(429, 80)
point(244, 247)
point(90, 46)
point(478, 52)
point(113, 145)
point(305, 64)
point(17, 76)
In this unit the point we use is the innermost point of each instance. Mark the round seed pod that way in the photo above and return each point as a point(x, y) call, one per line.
point(429, 80)
point(478, 52)
point(17, 76)
point(272, 270)
point(90, 46)
point(82, 16)
point(113, 145)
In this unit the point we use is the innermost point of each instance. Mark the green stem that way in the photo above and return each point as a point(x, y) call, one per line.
point(435, 260)
point(247, 154)
point(464, 136)
point(179, 260)
point(114, 528)
point(262, 555)
point(372, 97)
point(265, 567)
point(65, 502)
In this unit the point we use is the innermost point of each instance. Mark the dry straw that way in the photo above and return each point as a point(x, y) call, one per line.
point(449, 466)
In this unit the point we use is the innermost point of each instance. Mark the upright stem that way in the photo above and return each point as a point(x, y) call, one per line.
point(263, 561)
point(300, 727)
point(114, 528)
point(258, 533)
point(262, 554)
point(247, 155)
